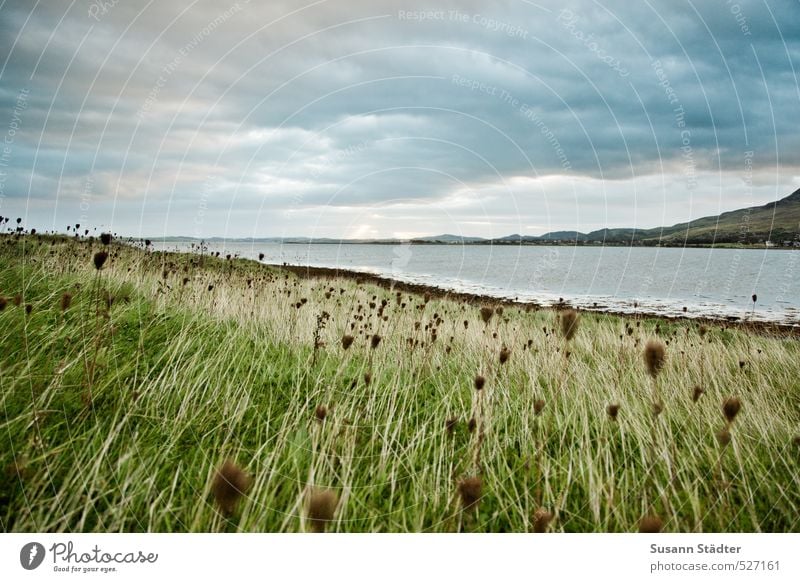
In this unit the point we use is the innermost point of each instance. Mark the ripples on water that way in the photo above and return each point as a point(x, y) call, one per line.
point(707, 282)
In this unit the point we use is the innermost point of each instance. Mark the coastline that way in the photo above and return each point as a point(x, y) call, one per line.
point(767, 328)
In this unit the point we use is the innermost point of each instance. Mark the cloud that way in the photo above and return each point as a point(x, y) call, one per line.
point(278, 117)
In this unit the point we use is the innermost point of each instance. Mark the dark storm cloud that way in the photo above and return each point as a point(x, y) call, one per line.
point(144, 115)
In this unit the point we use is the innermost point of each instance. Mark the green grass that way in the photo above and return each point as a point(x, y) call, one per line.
point(116, 419)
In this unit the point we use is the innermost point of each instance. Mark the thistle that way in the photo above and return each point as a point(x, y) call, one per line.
point(541, 520)
point(650, 524)
point(100, 259)
point(229, 485)
point(470, 491)
point(505, 353)
point(569, 324)
point(730, 408)
point(654, 357)
point(320, 508)
point(450, 425)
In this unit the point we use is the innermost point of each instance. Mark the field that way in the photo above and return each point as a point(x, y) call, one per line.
point(166, 392)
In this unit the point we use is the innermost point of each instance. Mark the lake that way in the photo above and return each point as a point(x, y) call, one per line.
point(707, 282)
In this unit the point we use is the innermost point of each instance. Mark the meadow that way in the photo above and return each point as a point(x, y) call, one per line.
point(151, 391)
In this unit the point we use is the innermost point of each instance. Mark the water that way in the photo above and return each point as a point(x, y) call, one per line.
point(707, 282)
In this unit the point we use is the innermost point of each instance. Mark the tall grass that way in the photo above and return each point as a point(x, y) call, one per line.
point(222, 400)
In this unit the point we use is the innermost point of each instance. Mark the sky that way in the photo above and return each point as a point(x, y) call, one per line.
point(375, 118)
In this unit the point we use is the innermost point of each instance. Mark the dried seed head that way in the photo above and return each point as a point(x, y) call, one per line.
point(658, 408)
point(3, 303)
point(321, 508)
point(538, 406)
point(505, 353)
point(731, 407)
point(541, 520)
point(486, 314)
point(697, 393)
point(347, 341)
point(654, 356)
point(569, 323)
point(450, 424)
point(66, 301)
point(754, 298)
point(105, 238)
point(321, 413)
point(375, 341)
point(100, 259)
point(470, 491)
point(613, 411)
point(702, 330)
point(480, 382)
point(472, 424)
point(229, 484)
point(724, 437)
point(650, 524)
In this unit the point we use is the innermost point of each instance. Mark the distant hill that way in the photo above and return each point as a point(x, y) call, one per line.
point(448, 238)
point(776, 221)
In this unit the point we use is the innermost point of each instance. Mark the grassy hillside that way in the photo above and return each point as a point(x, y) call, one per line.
point(776, 221)
point(125, 389)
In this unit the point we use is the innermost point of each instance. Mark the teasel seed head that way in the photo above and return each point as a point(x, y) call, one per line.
point(505, 353)
point(100, 259)
point(654, 356)
point(321, 508)
point(658, 408)
point(731, 407)
point(470, 491)
point(650, 524)
point(229, 485)
point(66, 301)
point(541, 520)
point(569, 323)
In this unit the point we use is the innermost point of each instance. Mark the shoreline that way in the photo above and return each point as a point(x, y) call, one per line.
point(768, 328)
